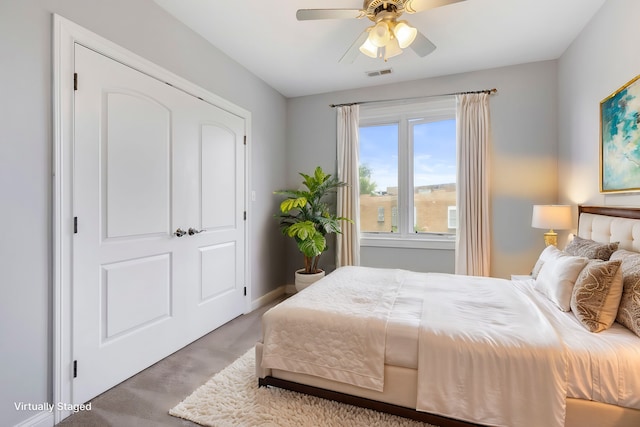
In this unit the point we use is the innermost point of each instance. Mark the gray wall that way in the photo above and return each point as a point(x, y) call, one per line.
point(600, 61)
point(523, 157)
point(26, 158)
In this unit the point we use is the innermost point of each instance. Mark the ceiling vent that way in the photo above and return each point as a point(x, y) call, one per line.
point(378, 72)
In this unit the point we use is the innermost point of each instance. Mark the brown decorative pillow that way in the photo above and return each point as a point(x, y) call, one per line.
point(629, 309)
point(591, 249)
point(596, 294)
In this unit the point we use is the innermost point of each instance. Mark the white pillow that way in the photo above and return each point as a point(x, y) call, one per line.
point(548, 252)
point(558, 276)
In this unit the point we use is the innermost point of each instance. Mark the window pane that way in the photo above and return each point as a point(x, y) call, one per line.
point(434, 176)
point(379, 178)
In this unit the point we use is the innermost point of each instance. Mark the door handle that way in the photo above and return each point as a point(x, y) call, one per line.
point(179, 232)
point(193, 231)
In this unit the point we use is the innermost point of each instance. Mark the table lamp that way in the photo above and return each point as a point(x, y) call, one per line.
point(551, 217)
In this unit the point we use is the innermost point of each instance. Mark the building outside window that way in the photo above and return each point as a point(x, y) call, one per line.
point(408, 168)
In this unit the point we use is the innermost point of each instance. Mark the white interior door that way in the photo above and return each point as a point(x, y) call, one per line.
point(148, 160)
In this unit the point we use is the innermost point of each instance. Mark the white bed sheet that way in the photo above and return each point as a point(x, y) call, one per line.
point(403, 327)
point(488, 355)
point(603, 367)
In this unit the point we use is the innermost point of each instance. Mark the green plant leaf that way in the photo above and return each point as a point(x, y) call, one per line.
point(289, 204)
point(302, 230)
point(313, 246)
point(329, 225)
point(320, 176)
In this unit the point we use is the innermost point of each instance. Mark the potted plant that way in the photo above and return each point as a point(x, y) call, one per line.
point(306, 216)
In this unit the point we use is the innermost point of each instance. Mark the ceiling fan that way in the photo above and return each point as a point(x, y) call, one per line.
point(388, 36)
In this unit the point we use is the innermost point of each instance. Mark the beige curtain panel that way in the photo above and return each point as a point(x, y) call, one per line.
point(348, 203)
point(473, 132)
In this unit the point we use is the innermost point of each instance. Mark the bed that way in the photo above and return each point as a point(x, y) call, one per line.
point(459, 350)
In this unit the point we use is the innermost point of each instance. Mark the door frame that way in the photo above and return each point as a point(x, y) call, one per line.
point(65, 35)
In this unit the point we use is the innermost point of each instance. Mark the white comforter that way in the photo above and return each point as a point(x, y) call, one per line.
point(487, 354)
point(335, 330)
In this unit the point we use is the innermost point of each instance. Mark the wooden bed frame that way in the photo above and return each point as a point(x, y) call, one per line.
point(581, 410)
point(363, 402)
point(619, 211)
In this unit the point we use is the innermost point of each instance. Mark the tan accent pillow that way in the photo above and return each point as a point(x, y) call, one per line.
point(596, 294)
point(558, 276)
point(629, 308)
point(591, 249)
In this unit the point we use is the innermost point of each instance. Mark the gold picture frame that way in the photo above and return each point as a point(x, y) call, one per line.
point(620, 139)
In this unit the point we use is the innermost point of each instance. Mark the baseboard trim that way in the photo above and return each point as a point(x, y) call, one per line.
point(267, 298)
point(41, 419)
point(290, 289)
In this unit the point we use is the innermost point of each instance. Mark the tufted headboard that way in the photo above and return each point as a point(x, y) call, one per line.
point(608, 224)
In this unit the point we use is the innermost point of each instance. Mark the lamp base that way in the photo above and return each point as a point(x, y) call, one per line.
point(551, 238)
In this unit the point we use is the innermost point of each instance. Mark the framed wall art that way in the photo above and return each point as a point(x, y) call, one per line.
point(620, 139)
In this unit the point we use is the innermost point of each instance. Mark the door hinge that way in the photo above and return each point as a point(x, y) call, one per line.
point(75, 225)
point(245, 291)
point(245, 215)
point(75, 81)
point(75, 369)
point(245, 140)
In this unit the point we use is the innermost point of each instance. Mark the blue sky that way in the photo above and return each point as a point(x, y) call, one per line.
point(434, 153)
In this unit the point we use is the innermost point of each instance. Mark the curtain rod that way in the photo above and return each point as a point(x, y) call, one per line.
point(488, 91)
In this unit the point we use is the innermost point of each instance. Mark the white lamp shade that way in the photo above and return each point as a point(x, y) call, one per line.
point(405, 34)
point(379, 34)
point(369, 49)
point(551, 217)
point(392, 49)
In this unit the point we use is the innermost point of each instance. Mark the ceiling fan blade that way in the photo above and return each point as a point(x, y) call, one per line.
point(311, 14)
point(414, 6)
point(422, 45)
point(354, 50)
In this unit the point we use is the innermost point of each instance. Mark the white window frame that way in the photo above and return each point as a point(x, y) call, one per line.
point(452, 217)
point(407, 115)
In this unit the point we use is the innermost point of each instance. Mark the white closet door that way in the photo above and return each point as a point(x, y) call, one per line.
point(148, 160)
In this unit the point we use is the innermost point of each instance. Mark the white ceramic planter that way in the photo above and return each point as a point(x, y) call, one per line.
point(304, 280)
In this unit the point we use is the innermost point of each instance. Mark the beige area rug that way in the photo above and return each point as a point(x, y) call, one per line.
point(232, 398)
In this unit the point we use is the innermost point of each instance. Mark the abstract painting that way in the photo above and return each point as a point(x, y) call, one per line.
point(620, 139)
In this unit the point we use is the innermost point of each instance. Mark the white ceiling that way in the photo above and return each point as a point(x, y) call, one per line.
point(301, 57)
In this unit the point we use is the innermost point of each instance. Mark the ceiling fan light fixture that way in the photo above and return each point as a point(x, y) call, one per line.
point(369, 49)
point(404, 33)
point(387, 36)
point(380, 34)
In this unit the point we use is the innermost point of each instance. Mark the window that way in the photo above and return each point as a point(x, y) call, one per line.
point(408, 169)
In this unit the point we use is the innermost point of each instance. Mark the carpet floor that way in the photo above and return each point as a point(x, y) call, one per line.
point(232, 398)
